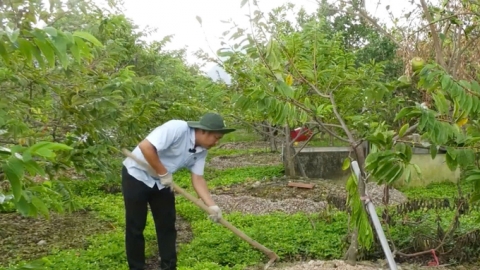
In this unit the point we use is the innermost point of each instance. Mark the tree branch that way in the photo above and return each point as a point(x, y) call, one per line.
point(340, 120)
point(435, 37)
point(364, 15)
point(322, 125)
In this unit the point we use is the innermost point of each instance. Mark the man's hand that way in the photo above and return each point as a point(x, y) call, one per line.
point(166, 180)
point(217, 213)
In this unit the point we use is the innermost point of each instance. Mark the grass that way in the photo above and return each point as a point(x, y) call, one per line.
point(438, 190)
point(241, 135)
point(292, 237)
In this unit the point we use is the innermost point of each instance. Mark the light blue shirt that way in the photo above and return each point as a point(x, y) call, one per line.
point(172, 140)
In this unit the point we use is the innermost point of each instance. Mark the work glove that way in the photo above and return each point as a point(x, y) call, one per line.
point(217, 213)
point(166, 180)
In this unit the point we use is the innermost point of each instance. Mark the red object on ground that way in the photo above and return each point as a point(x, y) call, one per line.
point(434, 262)
point(304, 132)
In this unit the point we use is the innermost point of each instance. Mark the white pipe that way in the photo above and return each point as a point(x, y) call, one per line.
point(376, 222)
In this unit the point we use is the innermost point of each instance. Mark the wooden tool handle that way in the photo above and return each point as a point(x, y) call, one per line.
point(225, 223)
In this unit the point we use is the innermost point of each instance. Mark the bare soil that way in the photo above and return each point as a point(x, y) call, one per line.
point(342, 265)
point(31, 238)
point(23, 238)
point(244, 145)
point(243, 160)
point(184, 235)
point(325, 191)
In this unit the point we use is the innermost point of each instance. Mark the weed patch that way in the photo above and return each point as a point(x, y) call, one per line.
point(205, 245)
point(293, 237)
point(227, 177)
point(24, 238)
point(436, 190)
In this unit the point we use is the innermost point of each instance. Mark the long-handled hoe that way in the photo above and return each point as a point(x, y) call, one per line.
point(271, 255)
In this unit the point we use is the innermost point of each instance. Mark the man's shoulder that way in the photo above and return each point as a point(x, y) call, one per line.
point(176, 124)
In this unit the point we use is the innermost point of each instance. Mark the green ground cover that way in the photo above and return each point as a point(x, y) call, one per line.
point(92, 238)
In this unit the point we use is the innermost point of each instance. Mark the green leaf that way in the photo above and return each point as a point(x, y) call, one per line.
point(475, 87)
point(395, 174)
point(82, 46)
point(408, 174)
point(402, 113)
point(346, 163)
point(33, 168)
point(51, 31)
point(384, 170)
point(22, 205)
point(75, 52)
point(48, 145)
point(40, 205)
point(441, 103)
point(3, 51)
point(13, 35)
point(45, 149)
point(473, 176)
point(417, 169)
point(451, 161)
point(47, 51)
point(446, 82)
point(465, 157)
point(14, 171)
point(89, 37)
point(372, 160)
point(60, 45)
point(284, 88)
point(408, 153)
point(433, 151)
point(26, 48)
point(403, 129)
point(38, 56)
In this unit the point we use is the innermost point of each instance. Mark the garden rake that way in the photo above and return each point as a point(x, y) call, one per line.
point(270, 254)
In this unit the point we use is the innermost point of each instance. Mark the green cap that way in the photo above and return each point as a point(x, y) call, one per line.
point(211, 122)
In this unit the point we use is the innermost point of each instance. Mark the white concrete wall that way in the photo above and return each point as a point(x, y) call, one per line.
point(433, 170)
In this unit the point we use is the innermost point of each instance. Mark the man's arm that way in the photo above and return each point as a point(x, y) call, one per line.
point(160, 139)
point(150, 153)
point(200, 186)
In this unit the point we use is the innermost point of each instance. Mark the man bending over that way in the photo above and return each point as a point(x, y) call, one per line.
point(174, 145)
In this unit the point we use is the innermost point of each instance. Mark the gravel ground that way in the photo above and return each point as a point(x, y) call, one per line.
point(375, 192)
point(235, 161)
point(259, 206)
point(341, 265)
point(290, 203)
point(328, 265)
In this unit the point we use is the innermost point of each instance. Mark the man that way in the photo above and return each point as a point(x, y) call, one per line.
point(174, 145)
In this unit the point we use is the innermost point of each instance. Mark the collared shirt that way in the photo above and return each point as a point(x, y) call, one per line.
point(173, 140)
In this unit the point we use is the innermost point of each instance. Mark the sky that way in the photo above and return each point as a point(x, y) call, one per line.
point(179, 18)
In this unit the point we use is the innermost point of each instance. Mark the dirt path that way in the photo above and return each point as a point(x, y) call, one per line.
point(30, 238)
point(277, 190)
point(341, 265)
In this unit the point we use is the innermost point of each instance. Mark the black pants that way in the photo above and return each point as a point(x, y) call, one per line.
point(137, 196)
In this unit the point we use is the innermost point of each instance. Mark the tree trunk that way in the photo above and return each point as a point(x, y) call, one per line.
point(273, 144)
point(352, 252)
point(265, 126)
point(288, 161)
point(300, 165)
